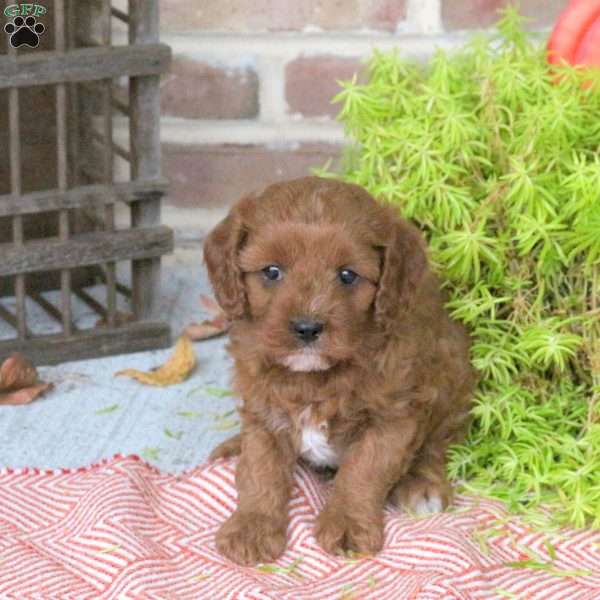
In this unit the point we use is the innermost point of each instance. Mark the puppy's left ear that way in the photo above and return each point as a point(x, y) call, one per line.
point(221, 250)
point(404, 266)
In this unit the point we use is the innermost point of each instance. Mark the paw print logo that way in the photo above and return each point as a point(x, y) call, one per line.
point(24, 32)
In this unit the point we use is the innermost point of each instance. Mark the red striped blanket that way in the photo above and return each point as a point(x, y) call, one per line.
point(121, 529)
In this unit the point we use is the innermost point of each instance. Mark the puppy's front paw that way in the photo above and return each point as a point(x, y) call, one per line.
point(422, 496)
point(337, 532)
point(251, 538)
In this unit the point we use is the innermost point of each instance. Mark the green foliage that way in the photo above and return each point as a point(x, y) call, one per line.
point(495, 156)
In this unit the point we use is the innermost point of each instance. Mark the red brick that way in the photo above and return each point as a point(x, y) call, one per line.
point(197, 90)
point(274, 15)
point(256, 15)
point(469, 14)
point(217, 176)
point(312, 82)
point(383, 14)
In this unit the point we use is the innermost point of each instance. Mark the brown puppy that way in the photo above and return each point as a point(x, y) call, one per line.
point(344, 356)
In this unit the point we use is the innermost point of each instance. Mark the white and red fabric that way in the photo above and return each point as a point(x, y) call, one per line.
point(122, 529)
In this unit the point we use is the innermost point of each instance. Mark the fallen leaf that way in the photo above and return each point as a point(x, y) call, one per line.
point(551, 549)
point(175, 370)
point(216, 325)
point(269, 568)
point(292, 569)
point(272, 568)
point(210, 305)
point(571, 573)
point(108, 409)
point(151, 453)
point(19, 382)
point(225, 425)
point(190, 414)
point(217, 391)
point(26, 395)
point(204, 330)
point(549, 568)
point(16, 372)
point(224, 415)
point(176, 435)
point(350, 556)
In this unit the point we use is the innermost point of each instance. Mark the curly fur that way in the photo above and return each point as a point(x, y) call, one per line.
point(380, 395)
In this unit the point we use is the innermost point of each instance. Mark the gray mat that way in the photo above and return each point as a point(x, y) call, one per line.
point(92, 415)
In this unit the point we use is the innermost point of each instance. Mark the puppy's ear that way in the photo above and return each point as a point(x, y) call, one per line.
point(221, 250)
point(404, 265)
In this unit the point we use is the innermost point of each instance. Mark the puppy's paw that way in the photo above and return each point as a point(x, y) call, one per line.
point(336, 532)
point(422, 496)
point(228, 448)
point(251, 538)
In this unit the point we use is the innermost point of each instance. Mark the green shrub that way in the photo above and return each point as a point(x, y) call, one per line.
point(496, 158)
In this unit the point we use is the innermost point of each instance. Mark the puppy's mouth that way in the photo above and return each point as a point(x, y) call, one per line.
point(305, 361)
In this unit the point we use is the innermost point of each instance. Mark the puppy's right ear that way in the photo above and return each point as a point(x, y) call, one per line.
point(221, 250)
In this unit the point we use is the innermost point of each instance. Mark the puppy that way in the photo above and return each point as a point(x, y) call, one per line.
point(344, 357)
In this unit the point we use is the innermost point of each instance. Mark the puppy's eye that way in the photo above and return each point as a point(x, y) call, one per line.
point(272, 273)
point(347, 277)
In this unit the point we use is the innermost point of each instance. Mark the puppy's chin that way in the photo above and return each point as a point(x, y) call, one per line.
point(305, 361)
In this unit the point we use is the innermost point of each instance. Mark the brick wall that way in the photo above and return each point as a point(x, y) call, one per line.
point(247, 101)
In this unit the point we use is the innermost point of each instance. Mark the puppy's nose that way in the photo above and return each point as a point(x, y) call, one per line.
point(307, 330)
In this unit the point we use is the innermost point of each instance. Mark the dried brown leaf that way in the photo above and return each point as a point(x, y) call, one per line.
point(175, 370)
point(210, 305)
point(19, 381)
point(17, 372)
point(24, 395)
point(217, 325)
point(206, 329)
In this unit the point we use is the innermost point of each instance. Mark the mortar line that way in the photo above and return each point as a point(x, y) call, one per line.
point(282, 134)
point(423, 16)
point(288, 45)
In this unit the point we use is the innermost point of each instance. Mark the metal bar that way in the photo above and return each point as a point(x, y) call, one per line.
point(16, 189)
point(62, 161)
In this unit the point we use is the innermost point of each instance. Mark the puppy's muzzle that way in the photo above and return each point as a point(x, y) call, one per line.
point(307, 330)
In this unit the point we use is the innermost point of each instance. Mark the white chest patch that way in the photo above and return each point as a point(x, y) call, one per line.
point(315, 448)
